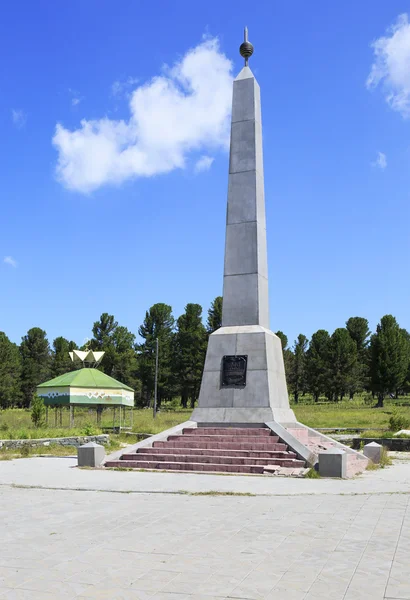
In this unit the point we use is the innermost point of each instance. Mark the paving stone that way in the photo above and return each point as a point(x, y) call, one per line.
point(177, 546)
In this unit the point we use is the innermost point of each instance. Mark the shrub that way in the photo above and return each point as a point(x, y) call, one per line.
point(38, 411)
point(385, 459)
point(25, 451)
point(312, 474)
point(398, 421)
point(89, 429)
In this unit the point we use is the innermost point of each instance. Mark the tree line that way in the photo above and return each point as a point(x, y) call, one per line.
point(182, 348)
point(350, 361)
point(347, 362)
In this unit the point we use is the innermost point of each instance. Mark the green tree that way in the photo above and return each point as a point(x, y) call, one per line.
point(117, 343)
point(158, 323)
point(406, 384)
point(389, 358)
point(316, 363)
point(342, 363)
point(38, 411)
point(103, 333)
point(214, 321)
point(287, 355)
point(35, 358)
point(60, 359)
point(358, 328)
point(283, 338)
point(189, 353)
point(124, 366)
point(297, 375)
point(10, 372)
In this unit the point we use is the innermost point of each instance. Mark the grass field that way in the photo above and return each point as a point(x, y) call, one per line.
point(16, 423)
point(331, 415)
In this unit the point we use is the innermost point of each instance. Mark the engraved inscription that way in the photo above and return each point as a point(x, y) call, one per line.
point(234, 370)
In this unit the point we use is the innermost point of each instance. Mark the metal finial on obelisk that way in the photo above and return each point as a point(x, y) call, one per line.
point(246, 48)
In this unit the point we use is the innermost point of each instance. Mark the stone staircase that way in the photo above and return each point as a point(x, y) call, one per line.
point(217, 449)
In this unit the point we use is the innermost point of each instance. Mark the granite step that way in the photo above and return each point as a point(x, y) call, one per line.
point(220, 460)
point(236, 431)
point(239, 445)
point(225, 438)
point(216, 449)
point(185, 466)
point(218, 452)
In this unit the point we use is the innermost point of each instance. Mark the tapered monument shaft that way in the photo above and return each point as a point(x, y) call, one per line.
point(245, 293)
point(244, 377)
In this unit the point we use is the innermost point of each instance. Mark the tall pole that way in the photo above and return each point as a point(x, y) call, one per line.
point(156, 380)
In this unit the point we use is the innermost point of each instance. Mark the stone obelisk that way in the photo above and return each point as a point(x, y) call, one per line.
point(244, 376)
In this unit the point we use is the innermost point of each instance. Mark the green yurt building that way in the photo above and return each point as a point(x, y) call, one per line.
point(86, 386)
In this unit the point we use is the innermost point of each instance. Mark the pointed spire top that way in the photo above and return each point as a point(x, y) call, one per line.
point(246, 48)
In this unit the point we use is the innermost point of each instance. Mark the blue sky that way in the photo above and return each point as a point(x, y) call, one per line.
point(86, 228)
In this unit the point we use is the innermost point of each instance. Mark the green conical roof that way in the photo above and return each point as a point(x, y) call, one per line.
point(85, 378)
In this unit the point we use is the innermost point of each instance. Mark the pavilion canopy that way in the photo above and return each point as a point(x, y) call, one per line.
point(86, 387)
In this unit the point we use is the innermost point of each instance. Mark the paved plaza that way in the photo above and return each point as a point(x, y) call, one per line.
point(70, 533)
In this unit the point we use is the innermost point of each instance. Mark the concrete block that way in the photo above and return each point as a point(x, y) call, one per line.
point(243, 151)
point(90, 455)
point(243, 101)
point(245, 288)
point(242, 197)
point(332, 463)
point(241, 248)
point(373, 451)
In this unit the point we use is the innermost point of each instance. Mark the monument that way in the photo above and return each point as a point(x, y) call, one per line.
point(244, 375)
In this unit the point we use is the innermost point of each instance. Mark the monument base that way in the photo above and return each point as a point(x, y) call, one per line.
point(262, 398)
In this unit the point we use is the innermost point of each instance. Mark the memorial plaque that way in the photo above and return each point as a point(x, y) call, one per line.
point(234, 370)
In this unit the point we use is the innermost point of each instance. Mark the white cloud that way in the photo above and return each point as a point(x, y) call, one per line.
point(9, 260)
point(391, 67)
point(381, 161)
point(76, 97)
point(118, 87)
point(19, 117)
point(203, 164)
point(185, 109)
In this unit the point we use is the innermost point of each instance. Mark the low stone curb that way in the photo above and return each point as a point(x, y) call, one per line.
point(65, 441)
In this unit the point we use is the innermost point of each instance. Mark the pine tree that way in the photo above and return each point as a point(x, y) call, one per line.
point(287, 356)
point(389, 358)
point(342, 363)
point(358, 328)
point(103, 332)
point(297, 375)
point(38, 411)
point(10, 372)
point(125, 360)
point(190, 349)
point(60, 359)
point(214, 321)
point(158, 323)
point(35, 357)
point(283, 338)
point(316, 363)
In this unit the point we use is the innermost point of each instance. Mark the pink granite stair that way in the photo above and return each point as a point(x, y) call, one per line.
point(215, 449)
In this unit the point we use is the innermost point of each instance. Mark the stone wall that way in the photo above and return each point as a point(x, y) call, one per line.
point(394, 444)
point(65, 441)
